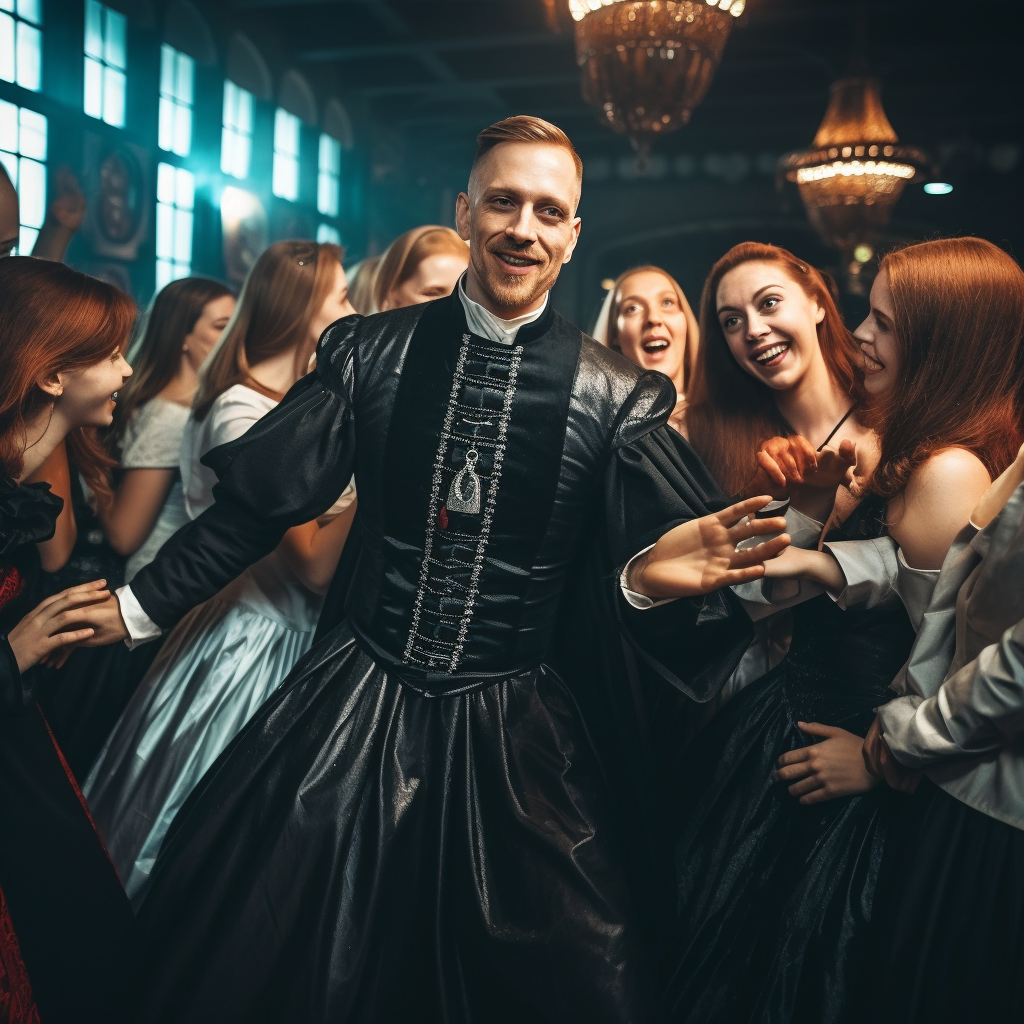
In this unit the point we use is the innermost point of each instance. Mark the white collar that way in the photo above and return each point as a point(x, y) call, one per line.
point(484, 323)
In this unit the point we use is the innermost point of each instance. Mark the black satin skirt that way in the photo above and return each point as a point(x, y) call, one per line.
point(774, 899)
point(365, 853)
point(950, 930)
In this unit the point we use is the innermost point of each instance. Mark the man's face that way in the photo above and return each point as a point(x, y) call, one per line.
point(519, 219)
point(9, 217)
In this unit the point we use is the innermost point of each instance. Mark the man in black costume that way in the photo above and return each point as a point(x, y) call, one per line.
point(419, 826)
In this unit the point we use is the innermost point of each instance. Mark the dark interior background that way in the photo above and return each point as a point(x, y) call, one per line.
point(418, 78)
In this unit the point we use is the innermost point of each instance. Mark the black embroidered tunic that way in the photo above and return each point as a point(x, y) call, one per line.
point(417, 826)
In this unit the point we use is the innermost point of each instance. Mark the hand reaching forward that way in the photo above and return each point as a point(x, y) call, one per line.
point(823, 771)
point(58, 622)
point(700, 556)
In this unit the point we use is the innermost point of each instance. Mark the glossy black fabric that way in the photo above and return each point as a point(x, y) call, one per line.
point(950, 927)
point(389, 839)
point(775, 898)
point(71, 916)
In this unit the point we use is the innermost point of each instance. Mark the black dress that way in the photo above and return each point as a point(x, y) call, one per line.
point(417, 826)
point(65, 922)
point(774, 898)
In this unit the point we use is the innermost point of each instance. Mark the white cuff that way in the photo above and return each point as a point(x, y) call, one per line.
point(139, 625)
point(640, 601)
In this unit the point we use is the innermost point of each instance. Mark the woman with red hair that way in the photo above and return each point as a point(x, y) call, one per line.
point(776, 888)
point(64, 918)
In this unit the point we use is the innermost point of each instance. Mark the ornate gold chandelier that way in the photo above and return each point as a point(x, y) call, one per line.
point(647, 63)
point(856, 169)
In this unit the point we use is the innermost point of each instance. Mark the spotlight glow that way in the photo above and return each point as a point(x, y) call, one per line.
point(863, 253)
point(938, 188)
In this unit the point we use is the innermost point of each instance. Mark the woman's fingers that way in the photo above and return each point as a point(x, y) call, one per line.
point(759, 553)
point(771, 468)
point(729, 516)
point(805, 786)
point(74, 636)
point(749, 527)
point(817, 729)
point(795, 756)
point(72, 592)
point(793, 772)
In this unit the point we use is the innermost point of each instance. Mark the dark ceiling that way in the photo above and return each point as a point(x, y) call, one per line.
point(437, 70)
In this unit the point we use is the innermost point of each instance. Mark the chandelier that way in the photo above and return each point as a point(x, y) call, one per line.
point(646, 63)
point(856, 169)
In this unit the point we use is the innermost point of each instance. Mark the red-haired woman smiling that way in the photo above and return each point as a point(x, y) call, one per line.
point(63, 914)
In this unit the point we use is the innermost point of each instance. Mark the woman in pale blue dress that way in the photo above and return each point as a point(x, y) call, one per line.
point(228, 655)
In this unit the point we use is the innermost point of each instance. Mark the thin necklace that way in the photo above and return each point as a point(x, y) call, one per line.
point(832, 433)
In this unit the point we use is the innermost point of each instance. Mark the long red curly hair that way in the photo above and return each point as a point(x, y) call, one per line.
point(54, 319)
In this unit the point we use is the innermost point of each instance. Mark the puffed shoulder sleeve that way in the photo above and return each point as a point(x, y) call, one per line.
point(287, 469)
point(654, 482)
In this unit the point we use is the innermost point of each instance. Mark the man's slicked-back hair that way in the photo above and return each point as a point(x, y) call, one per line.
point(525, 128)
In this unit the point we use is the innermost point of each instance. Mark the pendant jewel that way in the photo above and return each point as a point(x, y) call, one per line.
point(464, 493)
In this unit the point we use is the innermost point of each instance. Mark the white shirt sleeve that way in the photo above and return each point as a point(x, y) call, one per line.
point(640, 601)
point(139, 625)
point(977, 709)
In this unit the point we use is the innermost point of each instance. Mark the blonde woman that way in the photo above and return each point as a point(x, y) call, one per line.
point(647, 318)
point(419, 266)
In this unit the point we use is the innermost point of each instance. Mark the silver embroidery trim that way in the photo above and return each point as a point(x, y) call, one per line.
point(435, 493)
point(459, 379)
point(492, 499)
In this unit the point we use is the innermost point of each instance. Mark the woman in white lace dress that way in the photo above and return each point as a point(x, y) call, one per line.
point(228, 655)
point(182, 326)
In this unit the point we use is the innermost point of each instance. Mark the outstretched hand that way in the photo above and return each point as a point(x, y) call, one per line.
point(823, 771)
point(701, 555)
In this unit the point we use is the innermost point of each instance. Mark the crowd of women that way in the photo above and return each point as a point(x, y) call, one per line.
point(845, 819)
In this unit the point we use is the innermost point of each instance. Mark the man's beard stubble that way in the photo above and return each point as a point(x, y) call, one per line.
point(512, 290)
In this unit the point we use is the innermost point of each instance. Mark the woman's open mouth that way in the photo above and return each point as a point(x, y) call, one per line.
point(772, 355)
point(871, 365)
point(655, 345)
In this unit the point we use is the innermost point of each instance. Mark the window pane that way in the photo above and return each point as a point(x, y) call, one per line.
point(182, 131)
point(10, 162)
point(167, 70)
point(93, 87)
point(7, 71)
point(184, 78)
point(166, 123)
point(245, 111)
point(243, 155)
point(27, 240)
point(113, 97)
point(6, 5)
point(226, 150)
point(164, 231)
point(8, 126)
point(94, 29)
point(328, 233)
point(163, 274)
point(30, 57)
point(183, 236)
point(30, 10)
point(33, 134)
point(32, 193)
point(184, 191)
point(165, 183)
point(114, 50)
